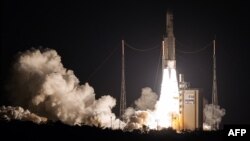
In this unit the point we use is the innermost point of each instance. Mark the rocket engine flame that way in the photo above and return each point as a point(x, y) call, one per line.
point(167, 108)
point(168, 105)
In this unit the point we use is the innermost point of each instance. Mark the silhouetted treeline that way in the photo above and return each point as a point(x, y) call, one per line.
point(56, 130)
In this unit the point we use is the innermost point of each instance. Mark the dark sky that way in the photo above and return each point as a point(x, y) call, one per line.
point(84, 33)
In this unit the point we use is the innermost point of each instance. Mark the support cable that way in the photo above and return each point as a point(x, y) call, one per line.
point(194, 51)
point(157, 71)
point(100, 66)
point(141, 50)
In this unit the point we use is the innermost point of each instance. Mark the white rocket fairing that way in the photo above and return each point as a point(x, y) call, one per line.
point(168, 45)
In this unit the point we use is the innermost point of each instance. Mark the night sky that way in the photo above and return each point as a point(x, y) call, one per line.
point(85, 33)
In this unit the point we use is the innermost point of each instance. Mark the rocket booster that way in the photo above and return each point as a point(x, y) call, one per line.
point(168, 45)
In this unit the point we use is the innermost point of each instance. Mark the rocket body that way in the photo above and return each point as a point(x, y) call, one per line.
point(169, 44)
point(168, 105)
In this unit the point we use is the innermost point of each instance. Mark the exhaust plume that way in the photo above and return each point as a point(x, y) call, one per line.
point(213, 115)
point(18, 113)
point(138, 120)
point(147, 100)
point(142, 115)
point(42, 85)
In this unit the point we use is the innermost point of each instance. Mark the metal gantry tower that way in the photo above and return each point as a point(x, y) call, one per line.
point(214, 93)
point(123, 88)
point(214, 90)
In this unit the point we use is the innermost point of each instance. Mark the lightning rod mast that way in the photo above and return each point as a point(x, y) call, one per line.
point(123, 89)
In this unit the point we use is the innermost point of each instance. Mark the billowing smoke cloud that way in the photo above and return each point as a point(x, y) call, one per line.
point(138, 120)
point(18, 113)
point(42, 85)
point(142, 115)
point(213, 115)
point(147, 100)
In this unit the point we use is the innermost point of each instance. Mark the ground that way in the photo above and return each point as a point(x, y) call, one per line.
point(58, 130)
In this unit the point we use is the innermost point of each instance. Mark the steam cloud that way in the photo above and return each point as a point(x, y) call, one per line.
point(141, 116)
point(213, 115)
point(18, 113)
point(147, 100)
point(42, 85)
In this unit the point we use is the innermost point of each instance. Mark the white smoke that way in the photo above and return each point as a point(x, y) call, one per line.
point(43, 85)
point(130, 111)
point(143, 115)
point(138, 120)
point(213, 115)
point(18, 113)
point(147, 100)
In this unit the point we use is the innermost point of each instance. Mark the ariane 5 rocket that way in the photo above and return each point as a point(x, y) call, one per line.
point(168, 44)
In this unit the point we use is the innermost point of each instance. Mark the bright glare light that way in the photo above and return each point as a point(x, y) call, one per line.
point(167, 108)
point(206, 127)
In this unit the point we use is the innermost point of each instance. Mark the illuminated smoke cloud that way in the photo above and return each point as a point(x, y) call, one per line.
point(138, 120)
point(147, 100)
point(143, 115)
point(213, 115)
point(42, 85)
point(18, 113)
